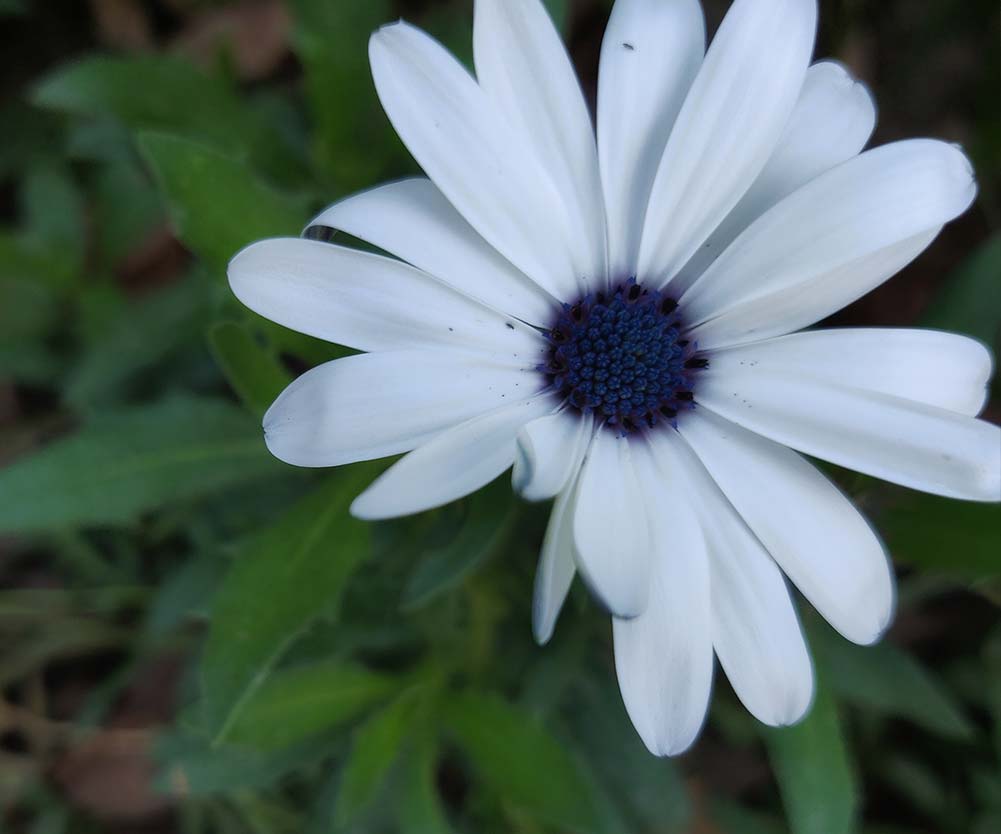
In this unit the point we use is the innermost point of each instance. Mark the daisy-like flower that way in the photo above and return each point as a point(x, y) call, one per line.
point(613, 313)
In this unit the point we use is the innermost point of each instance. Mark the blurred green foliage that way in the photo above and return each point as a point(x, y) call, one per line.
point(326, 675)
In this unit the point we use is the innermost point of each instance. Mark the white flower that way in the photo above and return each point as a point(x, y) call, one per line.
point(723, 205)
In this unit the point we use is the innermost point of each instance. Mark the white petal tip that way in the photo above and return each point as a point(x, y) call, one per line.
point(789, 708)
point(364, 509)
point(868, 634)
point(668, 742)
point(670, 749)
point(237, 271)
point(543, 633)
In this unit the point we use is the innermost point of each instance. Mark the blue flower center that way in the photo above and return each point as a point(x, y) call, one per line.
point(623, 356)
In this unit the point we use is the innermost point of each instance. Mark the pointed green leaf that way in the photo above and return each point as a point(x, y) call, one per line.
point(484, 520)
point(971, 300)
point(419, 807)
point(813, 768)
point(353, 139)
point(296, 704)
point(522, 763)
point(957, 538)
point(157, 92)
point(649, 791)
point(888, 680)
point(216, 203)
point(134, 341)
point(289, 575)
point(125, 463)
point(253, 371)
point(377, 744)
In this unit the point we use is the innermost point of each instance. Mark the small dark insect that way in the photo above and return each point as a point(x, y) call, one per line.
point(629, 46)
point(509, 325)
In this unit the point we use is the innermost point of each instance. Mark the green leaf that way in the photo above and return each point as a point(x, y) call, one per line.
point(165, 93)
point(377, 745)
point(651, 792)
point(511, 753)
point(136, 339)
point(813, 768)
point(971, 300)
point(419, 806)
point(885, 679)
point(128, 462)
point(216, 203)
point(189, 763)
point(353, 140)
point(253, 371)
point(53, 211)
point(295, 704)
point(731, 817)
point(485, 519)
point(293, 572)
point(958, 538)
point(185, 592)
point(127, 210)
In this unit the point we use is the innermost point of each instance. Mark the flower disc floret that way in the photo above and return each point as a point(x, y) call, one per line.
point(622, 355)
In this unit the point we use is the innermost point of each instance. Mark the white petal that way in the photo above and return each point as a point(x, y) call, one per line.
point(611, 535)
point(556, 570)
point(916, 445)
point(832, 121)
point(830, 242)
point(664, 657)
point(816, 535)
point(732, 118)
point(370, 302)
point(928, 366)
point(549, 452)
point(756, 632)
point(524, 69)
point(650, 55)
point(478, 161)
point(379, 404)
point(452, 465)
point(412, 220)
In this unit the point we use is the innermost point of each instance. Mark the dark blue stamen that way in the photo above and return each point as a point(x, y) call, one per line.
point(621, 355)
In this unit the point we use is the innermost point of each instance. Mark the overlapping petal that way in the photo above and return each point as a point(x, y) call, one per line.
point(927, 366)
point(830, 242)
point(549, 452)
point(378, 404)
point(611, 534)
point(482, 166)
point(807, 525)
point(524, 69)
point(920, 446)
point(664, 657)
point(369, 302)
point(649, 58)
point(833, 120)
point(452, 465)
point(557, 567)
point(755, 630)
point(412, 220)
point(733, 116)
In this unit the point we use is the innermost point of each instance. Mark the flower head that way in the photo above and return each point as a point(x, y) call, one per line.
point(614, 313)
